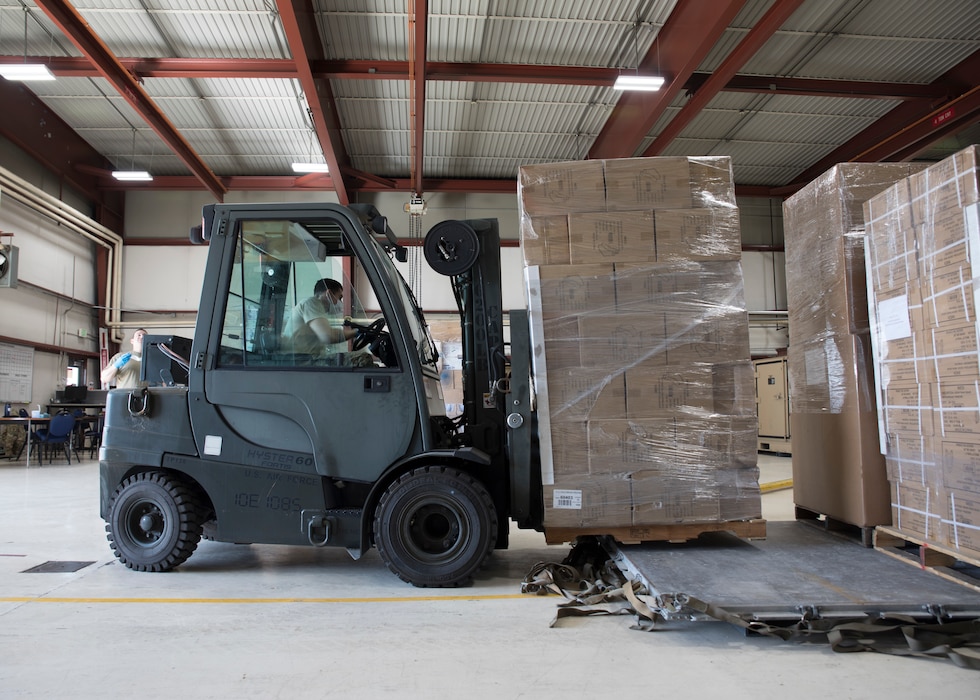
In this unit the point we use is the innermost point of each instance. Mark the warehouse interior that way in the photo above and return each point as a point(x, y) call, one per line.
point(433, 112)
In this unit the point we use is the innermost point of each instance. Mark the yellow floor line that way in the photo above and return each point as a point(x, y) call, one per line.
point(253, 601)
point(776, 485)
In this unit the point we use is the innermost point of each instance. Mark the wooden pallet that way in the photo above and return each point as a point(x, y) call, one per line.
point(863, 532)
point(675, 532)
point(943, 561)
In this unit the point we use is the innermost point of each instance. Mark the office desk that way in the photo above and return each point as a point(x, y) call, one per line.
point(33, 424)
point(53, 408)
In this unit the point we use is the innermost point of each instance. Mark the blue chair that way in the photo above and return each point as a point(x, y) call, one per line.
point(59, 432)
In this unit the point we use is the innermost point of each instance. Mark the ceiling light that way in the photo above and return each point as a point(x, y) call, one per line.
point(648, 83)
point(310, 168)
point(26, 71)
point(132, 175)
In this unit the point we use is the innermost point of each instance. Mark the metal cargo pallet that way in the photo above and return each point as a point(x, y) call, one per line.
point(797, 570)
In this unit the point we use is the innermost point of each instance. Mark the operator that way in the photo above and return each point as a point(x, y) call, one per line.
point(123, 369)
point(317, 326)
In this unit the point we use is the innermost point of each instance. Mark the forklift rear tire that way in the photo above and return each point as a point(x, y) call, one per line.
point(154, 522)
point(435, 527)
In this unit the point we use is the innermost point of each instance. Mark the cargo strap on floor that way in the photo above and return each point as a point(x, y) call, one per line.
point(592, 585)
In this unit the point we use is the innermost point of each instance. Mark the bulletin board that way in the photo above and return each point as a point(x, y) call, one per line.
point(16, 373)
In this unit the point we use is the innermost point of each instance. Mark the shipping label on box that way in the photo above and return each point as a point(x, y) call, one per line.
point(589, 501)
point(648, 183)
point(698, 234)
point(561, 188)
point(611, 237)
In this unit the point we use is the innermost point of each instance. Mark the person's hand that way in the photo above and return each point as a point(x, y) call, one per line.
point(347, 320)
point(123, 359)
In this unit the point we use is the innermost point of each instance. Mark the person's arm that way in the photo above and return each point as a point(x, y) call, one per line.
point(329, 333)
point(112, 369)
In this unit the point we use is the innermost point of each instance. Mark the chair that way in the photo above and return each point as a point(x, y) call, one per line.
point(59, 432)
point(27, 438)
point(94, 436)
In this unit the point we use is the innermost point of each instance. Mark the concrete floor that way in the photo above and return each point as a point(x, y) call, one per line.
point(285, 622)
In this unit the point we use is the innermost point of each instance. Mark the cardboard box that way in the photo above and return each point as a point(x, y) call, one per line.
point(544, 240)
point(661, 392)
point(739, 493)
point(698, 234)
point(961, 463)
point(661, 499)
point(569, 448)
point(627, 445)
point(621, 340)
point(648, 183)
point(587, 501)
point(918, 510)
point(946, 242)
point(913, 458)
point(824, 228)
point(951, 353)
point(561, 188)
point(581, 394)
point(907, 408)
point(611, 237)
point(560, 346)
point(573, 290)
point(719, 335)
point(957, 408)
point(698, 283)
point(962, 527)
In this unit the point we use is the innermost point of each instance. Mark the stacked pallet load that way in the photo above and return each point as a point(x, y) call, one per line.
point(641, 353)
point(838, 469)
point(923, 255)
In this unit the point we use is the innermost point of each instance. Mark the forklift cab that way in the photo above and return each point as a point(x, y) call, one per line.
point(347, 410)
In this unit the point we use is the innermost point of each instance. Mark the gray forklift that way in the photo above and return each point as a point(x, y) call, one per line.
point(244, 435)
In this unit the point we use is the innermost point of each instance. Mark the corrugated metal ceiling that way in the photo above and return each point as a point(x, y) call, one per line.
point(504, 84)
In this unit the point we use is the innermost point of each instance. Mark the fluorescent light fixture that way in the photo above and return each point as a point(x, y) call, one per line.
point(132, 175)
point(648, 83)
point(310, 168)
point(26, 71)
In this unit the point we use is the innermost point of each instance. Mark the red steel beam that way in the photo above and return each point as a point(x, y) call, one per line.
point(287, 182)
point(77, 66)
point(894, 128)
point(418, 27)
point(299, 23)
point(774, 18)
point(690, 32)
point(85, 40)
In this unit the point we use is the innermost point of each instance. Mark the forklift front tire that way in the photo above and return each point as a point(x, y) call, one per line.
point(435, 527)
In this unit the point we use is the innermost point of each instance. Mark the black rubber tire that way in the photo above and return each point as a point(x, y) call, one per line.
point(155, 522)
point(435, 527)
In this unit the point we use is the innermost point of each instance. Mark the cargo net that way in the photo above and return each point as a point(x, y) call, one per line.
point(592, 584)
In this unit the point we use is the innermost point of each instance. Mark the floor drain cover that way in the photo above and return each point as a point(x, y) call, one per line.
point(57, 567)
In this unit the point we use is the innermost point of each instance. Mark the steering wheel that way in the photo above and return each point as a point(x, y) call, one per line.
point(366, 334)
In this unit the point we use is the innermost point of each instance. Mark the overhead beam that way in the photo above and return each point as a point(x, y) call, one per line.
point(774, 18)
point(418, 23)
point(690, 32)
point(285, 68)
point(299, 24)
point(85, 40)
point(893, 133)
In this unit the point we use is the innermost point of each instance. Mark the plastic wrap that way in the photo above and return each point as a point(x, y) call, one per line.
point(926, 350)
point(641, 351)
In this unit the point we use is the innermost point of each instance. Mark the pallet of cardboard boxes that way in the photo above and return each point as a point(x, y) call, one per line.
point(923, 258)
point(641, 354)
point(838, 469)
